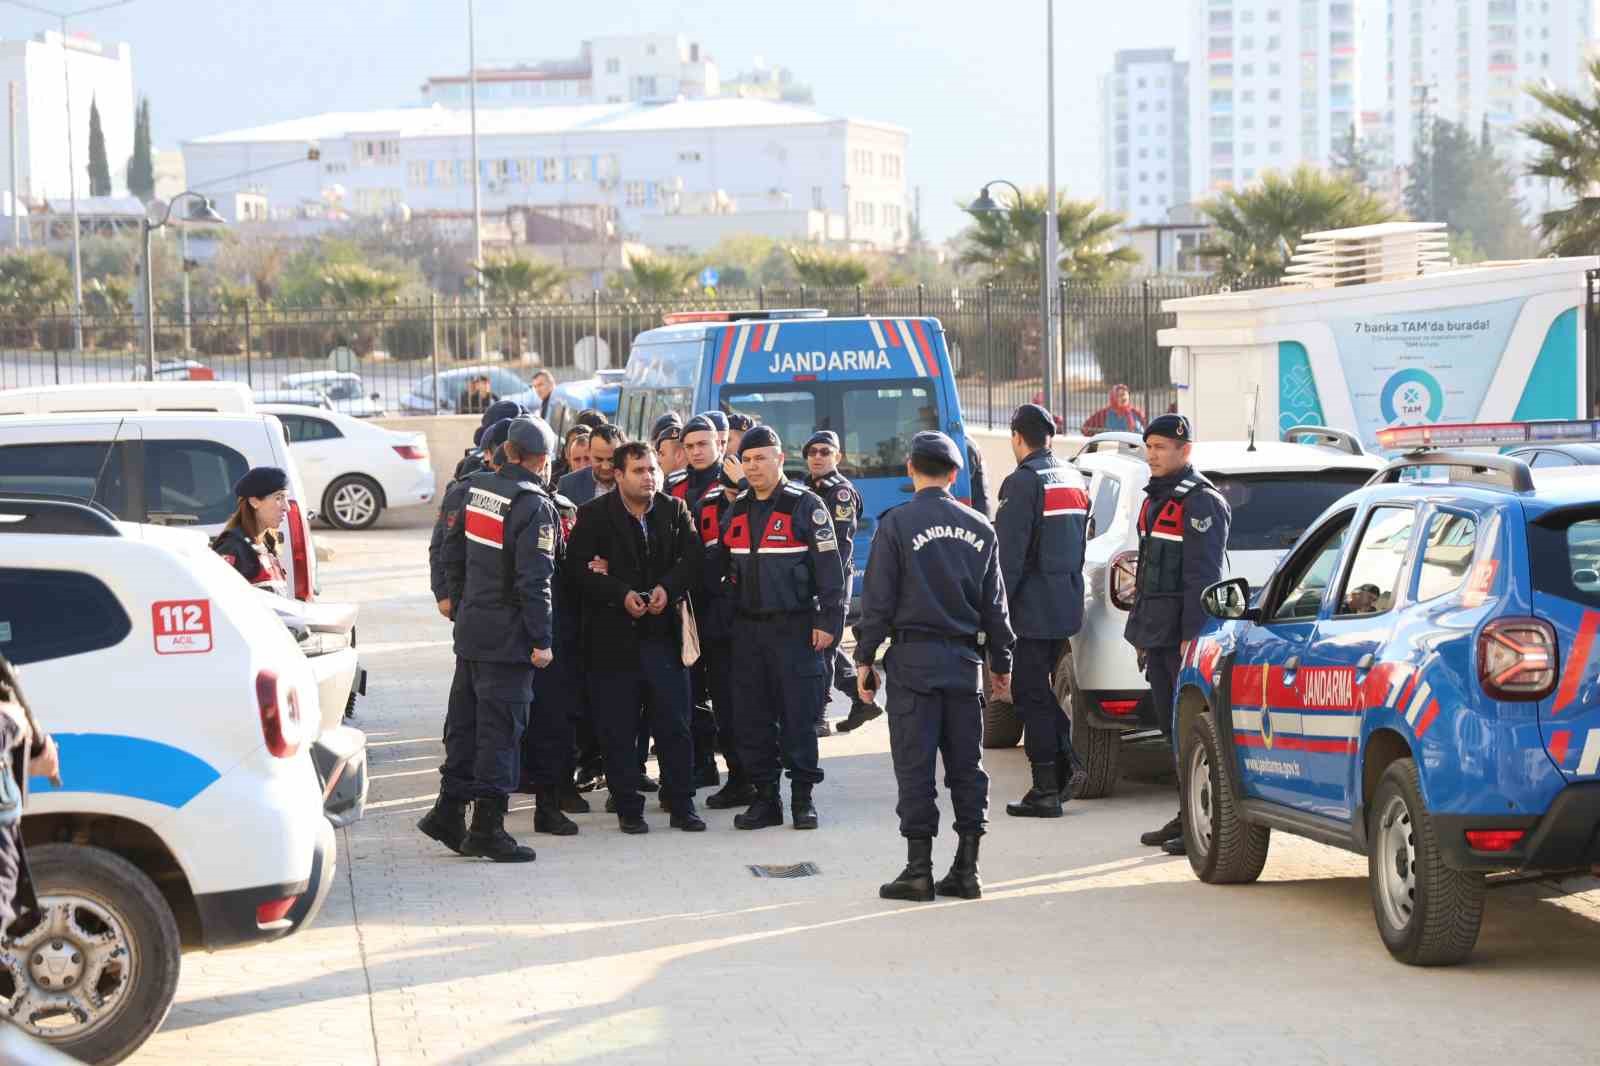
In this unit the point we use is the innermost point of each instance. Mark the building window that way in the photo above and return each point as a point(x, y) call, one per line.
point(688, 157)
point(550, 170)
point(606, 169)
point(613, 66)
point(578, 168)
point(376, 153)
point(816, 198)
point(644, 85)
point(634, 194)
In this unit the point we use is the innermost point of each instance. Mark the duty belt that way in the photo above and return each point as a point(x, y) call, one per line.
point(922, 636)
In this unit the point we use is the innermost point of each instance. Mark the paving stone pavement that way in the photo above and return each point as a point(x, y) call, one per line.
point(664, 949)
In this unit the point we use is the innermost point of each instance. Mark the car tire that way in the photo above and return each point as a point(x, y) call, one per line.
point(352, 502)
point(1100, 750)
point(90, 892)
point(1427, 913)
point(1223, 848)
point(1002, 725)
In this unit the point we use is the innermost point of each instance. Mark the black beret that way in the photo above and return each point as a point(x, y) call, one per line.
point(1032, 416)
point(261, 482)
point(759, 437)
point(669, 427)
point(500, 454)
point(739, 422)
point(501, 409)
point(494, 434)
point(716, 418)
point(591, 418)
point(822, 436)
point(1175, 427)
point(931, 444)
point(699, 424)
point(531, 434)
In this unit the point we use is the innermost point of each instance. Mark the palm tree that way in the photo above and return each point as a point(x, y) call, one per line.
point(822, 269)
point(1569, 138)
point(510, 279)
point(654, 276)
point(1007, 245)
point(1256, 228)
point(358, 285)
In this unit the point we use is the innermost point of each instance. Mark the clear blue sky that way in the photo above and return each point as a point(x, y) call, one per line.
point(967, 78)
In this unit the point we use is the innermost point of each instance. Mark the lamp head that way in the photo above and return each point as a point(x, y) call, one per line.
point(984, 203)
point(203, 212)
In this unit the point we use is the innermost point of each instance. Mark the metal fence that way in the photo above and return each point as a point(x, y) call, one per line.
point(1108, 336)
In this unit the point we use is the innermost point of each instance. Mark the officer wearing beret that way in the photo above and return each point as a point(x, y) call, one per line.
point(714, 606)
point(719, 422)
point(843, 502)
point(666, 437)
point(499, 562)
point(1183, 533)
point(249, 542)
point(780, 553)
point(550, 743)
point(1042, 524)
point(932, 585)
point(471, 462)
point(700, 446)
point(738, 423)
point(490, 438)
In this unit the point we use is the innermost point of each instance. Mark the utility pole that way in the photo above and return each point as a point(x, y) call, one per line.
point(16, 197)
point(477, 205)
point(72, 192)
point(1052, 266)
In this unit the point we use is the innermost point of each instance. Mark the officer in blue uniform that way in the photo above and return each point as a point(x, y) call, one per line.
point(1042, 524)
point(844, 506)
point(472, 461)
point(1183, 534)
point(781, 554)
point(550, 744)
point(932, 586)
point(499, 560)
point(704, 456)
point(714, 613)
point(489, 438)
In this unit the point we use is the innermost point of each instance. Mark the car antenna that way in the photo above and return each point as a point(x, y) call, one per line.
point(1255, 416)
point(105, 460)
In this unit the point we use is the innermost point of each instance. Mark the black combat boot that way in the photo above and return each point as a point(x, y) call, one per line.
point(572, 801)
point(633, 824)
point(705, 774)
point(824, 727)
point(648, 783)
point(547, 816)
point(962, 880)
point(736, 793)
point(915, 882)
point(685, 817)
point(1042, 800)
point(767, 810)
point(1173, 830)
point(860, 714)
point(488, 838)
point(446, 823)
point(800, 805)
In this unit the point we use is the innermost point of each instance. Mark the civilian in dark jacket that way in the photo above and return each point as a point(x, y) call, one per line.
point(634, 645)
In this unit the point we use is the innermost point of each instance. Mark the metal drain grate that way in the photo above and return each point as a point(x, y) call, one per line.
point(799, 869)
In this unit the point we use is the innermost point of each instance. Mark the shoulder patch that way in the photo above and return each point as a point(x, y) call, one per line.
point(547, 538)
point(819, 516)
point(1201, 525)
point(843, 495)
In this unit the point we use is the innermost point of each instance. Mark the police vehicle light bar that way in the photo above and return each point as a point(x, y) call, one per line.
point(678, 318)
point(1468, 434)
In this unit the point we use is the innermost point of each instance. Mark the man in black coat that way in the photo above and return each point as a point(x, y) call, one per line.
point(644, 558)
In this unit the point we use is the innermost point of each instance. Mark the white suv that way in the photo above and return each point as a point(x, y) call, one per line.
point(1275, 488)
point(189, 814)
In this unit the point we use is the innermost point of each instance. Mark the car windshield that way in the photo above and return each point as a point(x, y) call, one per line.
point(879, 421)
point(1270, 511)
point(792, 413)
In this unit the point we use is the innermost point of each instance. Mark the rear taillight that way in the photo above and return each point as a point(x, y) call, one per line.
point(1517, 659)
point(1118, 707)
point(410, 451)
point(274, 910)
point(280, 719)
point(300, 553)
point(1494, 839)
point(1122, 580)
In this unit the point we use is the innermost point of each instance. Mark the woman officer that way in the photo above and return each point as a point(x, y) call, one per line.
point(249, 542)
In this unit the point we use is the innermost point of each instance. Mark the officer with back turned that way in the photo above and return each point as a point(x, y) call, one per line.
point(1183, 533)
point(1042, 524)
point(499, 561)
point(932, 585)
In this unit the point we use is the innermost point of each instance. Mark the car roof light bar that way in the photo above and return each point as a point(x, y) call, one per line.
point(1470, 434)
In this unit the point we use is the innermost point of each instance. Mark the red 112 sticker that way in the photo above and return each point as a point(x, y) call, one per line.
point(182, 627)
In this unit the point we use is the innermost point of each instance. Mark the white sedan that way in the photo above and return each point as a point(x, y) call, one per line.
point(353, 468)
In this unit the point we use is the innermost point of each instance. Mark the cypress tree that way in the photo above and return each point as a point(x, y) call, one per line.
point(99, 171)
point(141, 165)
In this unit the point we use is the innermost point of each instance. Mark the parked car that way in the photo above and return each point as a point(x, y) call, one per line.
point(181, 370)
point(355, 469)
point(1557, 454)
point(1274, 488)
point(189, 814)
point(1414, 682)
point(345, 392)
point(452, 384)
point(303, 397)
point(571, 398)
point(111, 397)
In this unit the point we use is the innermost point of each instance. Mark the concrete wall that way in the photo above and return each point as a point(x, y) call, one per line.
point(995, 446)
point(448, 437)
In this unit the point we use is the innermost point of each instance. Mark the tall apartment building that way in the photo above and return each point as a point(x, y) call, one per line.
point(1144, 134)
point(1273, 83)
point(1469, 61)
point(607, 70)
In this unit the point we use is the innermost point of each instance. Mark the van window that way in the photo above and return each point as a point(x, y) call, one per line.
point(192, 477)
point(68, 469)
point(791, 412)
point(33, 627)
point(880, 419)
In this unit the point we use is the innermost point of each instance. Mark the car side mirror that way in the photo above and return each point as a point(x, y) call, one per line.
point(1586, 577)
point(376, 397)
point(1228, 600)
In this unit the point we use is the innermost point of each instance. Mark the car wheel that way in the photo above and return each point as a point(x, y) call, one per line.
point(1223, 849)
point(353, 502)
point(1427, 913)
point(95, 969)
point(1002, 725)
point(1100, 750)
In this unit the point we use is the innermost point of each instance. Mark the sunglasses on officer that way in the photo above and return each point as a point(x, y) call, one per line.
point(820, 451)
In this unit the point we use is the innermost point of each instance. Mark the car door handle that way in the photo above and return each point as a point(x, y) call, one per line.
point(1290, 665)
point(1364, 663)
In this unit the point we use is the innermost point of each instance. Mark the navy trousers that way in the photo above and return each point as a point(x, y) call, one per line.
point(659, 684)
point(489, 704)
point(935, 709)
point(1033, 694)
point(778, 682)
point(549, 746)
point(1161, 667)
point(717, 658)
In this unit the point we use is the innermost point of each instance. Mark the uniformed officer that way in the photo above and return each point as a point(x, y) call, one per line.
point(249, 542)
point(689, 485)
point(1042, 524)
point(738, 424)
point(499, 558)
point(666, 437)
point(550, 744)
point(1183, 533)
point(489, 439)
point(843, 502)
point(719, 421)
point(780, 552)
point(932, 585)
point(714, 612)
point(472, 461)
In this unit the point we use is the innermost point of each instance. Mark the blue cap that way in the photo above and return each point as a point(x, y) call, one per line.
point(699, 424)
point(1174, 427)
point(261, 482)
point(822, 436)
point(931, 444)
point(759, 437)
point(668, 427)
point(1032, 416)
point(501, 409)
point(717, 419)
point(531, 435)
point(500, 454)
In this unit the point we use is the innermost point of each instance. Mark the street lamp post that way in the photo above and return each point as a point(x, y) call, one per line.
point(477, 205)
point(1052, 253)
point(985, 204)
point(201, 211)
